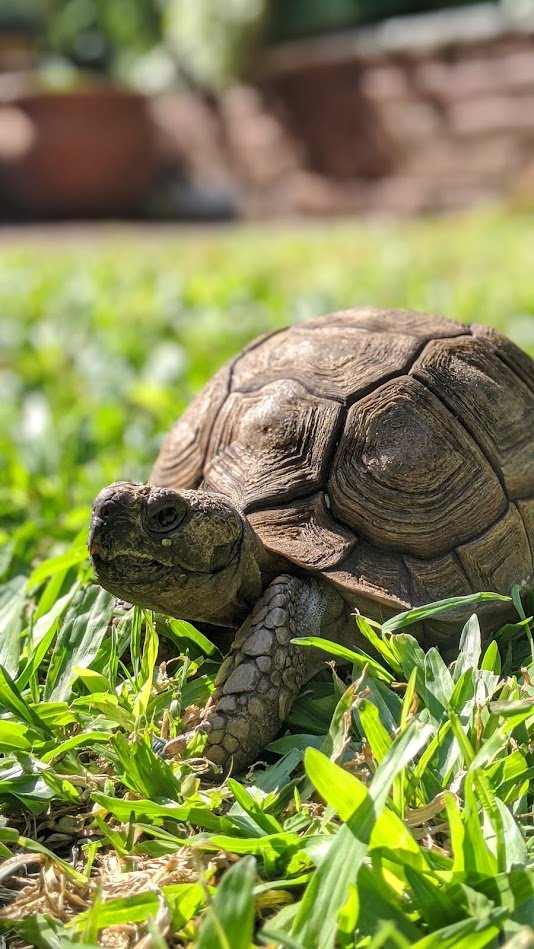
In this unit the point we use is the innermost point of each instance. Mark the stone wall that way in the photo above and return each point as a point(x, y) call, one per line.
point(420, 114)
point(435, 113)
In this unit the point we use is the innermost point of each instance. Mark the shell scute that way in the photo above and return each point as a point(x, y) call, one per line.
point(304, 532)
point(500, 556)
point(408, 477)
point(271, 445)
point(405, 322)
point(369, 575)
point(493, 404)
point(331, 361)
point(180, 463)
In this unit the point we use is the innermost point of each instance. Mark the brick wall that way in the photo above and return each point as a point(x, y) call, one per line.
point(406, 125)
point(420, 114)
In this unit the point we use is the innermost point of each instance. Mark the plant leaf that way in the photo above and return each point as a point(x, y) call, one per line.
point(229, 919)
point(83, 629)
point(327, 892)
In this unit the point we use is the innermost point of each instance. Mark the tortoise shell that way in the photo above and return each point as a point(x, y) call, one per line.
point(390, 451)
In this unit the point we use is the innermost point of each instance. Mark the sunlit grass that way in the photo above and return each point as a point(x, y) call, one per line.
point(408, 818)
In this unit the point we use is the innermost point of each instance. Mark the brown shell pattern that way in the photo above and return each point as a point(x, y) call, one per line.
point(390, 450)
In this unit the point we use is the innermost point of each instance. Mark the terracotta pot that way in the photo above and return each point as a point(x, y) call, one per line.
point(87, 152)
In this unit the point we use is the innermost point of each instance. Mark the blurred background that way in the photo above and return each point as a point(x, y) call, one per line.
point(122, 121)
point(209, 110)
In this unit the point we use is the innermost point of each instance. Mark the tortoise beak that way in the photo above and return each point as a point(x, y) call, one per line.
point(95, 546)
point(114, 514)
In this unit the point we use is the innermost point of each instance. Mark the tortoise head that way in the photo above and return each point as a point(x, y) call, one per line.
point(191, 554)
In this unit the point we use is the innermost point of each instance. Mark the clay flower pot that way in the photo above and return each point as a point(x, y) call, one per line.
point(84, 152)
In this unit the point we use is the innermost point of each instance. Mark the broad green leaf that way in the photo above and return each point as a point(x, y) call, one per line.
point(380, 645)
point(39, 931)
point(335, 741)
point(313, 713)
point(315, 923)
point(348, 917)
point(12, 700)
point(56, 714)
point(467, 934)
point(411, 656)
point(509, 709)
point(420, 770)
point(229, 919)
point(184, 630)
point(461, 700)
point(83, 629)
point(510, 890)
point(493, 832)
point(388, 703)
point(421, 613)
point(359, 659)
point(26, 843)
point(346, 793)
point(438, 680)
point(278, 775)
point(489, 749)
point(337, 736)
point(184, 900)
point(145, 810)
point(245, 800)
point(375, 733)
point(270, 847)
point(491, 659)
point(510, 776)
point(14, 736)
point(45, 621)
point(478, 859)
point(12, 597)
point(59, 564)
point(88, 739)
point(93, 681)
point(512, 844)
point(469, 648)
point(31, 668)
point(380, 903)
point(457, 833)
point(143, 771)
point(434, 902)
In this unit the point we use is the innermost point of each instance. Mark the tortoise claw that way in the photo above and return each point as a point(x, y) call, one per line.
point(158, 746)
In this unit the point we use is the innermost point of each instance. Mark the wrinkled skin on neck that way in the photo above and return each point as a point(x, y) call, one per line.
point(190, 554)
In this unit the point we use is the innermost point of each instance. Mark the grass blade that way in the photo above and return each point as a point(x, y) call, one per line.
point(12, 699)
point(374, 731)
point(84, 628)
point(229, 919)
point(316, 920)
point(421, 613)
point(12, 596)
point(359, 659)
point(469, 649)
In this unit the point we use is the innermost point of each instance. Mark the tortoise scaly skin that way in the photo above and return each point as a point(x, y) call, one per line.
point(369, 460)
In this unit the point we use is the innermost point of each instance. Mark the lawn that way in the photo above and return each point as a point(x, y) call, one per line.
point(396, 809)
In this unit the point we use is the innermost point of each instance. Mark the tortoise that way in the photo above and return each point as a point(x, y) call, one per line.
point(369, 460)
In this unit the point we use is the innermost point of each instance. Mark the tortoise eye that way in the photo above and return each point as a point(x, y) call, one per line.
point(166, 518)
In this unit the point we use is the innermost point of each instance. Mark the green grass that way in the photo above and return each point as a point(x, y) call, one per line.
point(396, 809)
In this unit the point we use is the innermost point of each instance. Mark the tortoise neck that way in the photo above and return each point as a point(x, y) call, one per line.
point(254, 562)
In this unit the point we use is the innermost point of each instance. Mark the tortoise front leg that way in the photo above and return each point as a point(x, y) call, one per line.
point(264, 672)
